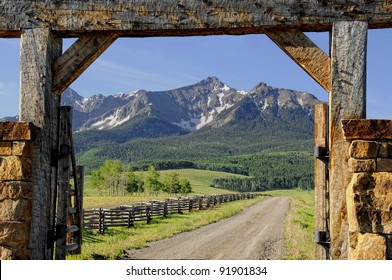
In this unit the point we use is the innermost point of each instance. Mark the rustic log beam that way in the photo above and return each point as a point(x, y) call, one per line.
point(188, 17)
point(305, 53)
point(68, 67)
point(347, 101)
point(39, 48)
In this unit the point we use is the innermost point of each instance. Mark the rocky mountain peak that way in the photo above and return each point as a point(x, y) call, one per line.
point(188, 108)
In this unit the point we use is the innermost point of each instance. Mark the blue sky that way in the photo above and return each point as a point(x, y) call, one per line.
point(239, 61)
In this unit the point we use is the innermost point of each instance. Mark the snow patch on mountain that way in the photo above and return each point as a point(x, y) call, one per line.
point(189, 125)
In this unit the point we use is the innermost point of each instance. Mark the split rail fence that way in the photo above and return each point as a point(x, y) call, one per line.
point(125, 216)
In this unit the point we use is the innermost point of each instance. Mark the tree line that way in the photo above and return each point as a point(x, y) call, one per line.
point(270, 171)
point(116, 178)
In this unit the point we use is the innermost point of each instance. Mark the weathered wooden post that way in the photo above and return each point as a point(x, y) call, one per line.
point(39, 48)
point(347, 101)
point(320, 180)
point(63, 186)
point(80, 216)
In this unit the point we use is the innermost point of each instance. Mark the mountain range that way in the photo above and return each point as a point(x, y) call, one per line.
point(209, 102)
point(204, 120)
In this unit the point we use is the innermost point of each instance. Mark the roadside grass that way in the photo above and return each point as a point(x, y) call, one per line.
point(113, 243)
point(299, 224)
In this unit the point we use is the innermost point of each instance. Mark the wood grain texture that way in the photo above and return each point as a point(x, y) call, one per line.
point(305, 53)
point(320, 186)
point(64, 182)
point(68, 67)
point(187, 17)
point(79, 203)
point(347, 101)
point(39, 48)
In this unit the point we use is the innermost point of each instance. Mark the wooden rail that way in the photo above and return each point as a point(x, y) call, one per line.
point(125, 216)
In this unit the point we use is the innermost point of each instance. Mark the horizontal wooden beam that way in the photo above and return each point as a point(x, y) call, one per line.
point(305, 53)
point(187, 17)
point(68, 67)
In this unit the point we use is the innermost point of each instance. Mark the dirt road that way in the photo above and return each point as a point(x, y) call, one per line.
point(255, 233)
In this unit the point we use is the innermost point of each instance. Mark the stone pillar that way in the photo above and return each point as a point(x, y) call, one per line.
point(369, 193)
point(15, 189)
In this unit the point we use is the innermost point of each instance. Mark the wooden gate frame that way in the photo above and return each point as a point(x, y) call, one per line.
point(46, 71)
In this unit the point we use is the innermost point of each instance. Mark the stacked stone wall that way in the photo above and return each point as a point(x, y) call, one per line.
point(369, 194)
point(15, 189)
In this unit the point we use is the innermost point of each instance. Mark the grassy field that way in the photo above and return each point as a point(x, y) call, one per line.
point(200, 181)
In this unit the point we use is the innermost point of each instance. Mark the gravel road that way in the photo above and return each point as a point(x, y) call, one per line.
point(255, 233)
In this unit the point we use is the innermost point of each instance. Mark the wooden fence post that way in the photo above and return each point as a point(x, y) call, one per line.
point(165, 209)
point(148, 214)
point(200, 202)
point(79, 204)
point(179, 206)
point(101, 220)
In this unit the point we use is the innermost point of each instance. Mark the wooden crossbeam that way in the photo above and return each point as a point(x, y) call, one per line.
point(68, 67)
point(305, 53)
point(185, 18)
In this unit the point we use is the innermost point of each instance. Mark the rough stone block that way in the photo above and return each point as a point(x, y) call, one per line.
point(5, 148)
point(17, 131)
point(15, 168)
point(367, 246)
point(363, 149)
point(389, 149)
point(362, 165)
point(357, 199)
point(384, 165)
point(389, 246)
point(369, 203)
point(20, 148)
point(14, 234)
point(9, 253)
point(382, 201)
point(16, 190)
point(383, 150)
point(15, 210)
point(367, 129)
